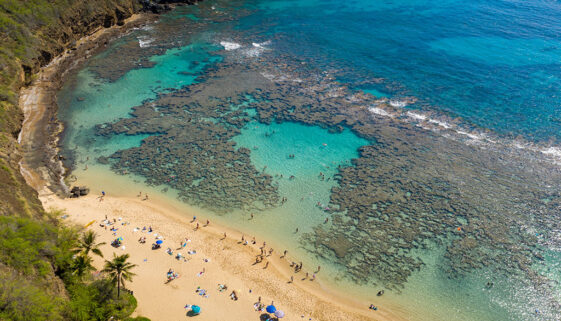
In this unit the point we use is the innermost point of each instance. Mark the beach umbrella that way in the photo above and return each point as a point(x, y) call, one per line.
point(120, 238)
point(159, 242)
point(279, 314)
point(196, 309)
point(271, 309)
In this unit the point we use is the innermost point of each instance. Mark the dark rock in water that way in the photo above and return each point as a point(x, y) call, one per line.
point(409, 190)
point(78, 191)
point(103, 160)
point(84, 191)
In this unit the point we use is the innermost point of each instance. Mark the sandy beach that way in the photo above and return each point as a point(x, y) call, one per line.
point(225, 261)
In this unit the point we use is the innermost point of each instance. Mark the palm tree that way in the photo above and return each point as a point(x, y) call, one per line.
point(87, 244)
point(119, 270)
point(81, 265)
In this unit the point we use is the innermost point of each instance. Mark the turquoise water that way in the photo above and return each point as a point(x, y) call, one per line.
point(282, 78)
point(493, 63)
point(315, 152)
point(87, 101)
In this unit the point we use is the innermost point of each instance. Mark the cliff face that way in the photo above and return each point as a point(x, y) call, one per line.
point(32, 34)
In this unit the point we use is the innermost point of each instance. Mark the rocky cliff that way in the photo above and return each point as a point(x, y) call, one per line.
point(32, 247)
point(32, 34)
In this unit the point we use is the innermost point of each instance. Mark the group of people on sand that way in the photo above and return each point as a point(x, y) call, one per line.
point(264, 252)
point(171, 275)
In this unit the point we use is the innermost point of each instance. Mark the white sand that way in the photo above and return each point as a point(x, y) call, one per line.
point(229, 262)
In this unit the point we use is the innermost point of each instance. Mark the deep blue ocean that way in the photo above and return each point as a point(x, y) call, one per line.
point(495, 64)
point(468, 121)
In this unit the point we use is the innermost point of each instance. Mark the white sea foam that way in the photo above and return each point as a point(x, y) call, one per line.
point(478, 137)
point(256, 49)
point(442, 124)
point(145, 41)
point(246, 51)
point(397, 103)
point(379, 111)
point(416, 116)
point(553, 151)
point(229, 46)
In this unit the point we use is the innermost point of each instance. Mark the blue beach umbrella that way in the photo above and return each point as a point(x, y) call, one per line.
point(196, 309)
point(159, 242)
point(271, 309)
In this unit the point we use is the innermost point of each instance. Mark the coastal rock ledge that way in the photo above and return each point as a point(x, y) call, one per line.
point(33, 35)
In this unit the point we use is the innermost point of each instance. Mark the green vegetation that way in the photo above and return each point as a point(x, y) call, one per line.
point(31, 251)
point(45, 268)
point(87, 243)
point(119, 270)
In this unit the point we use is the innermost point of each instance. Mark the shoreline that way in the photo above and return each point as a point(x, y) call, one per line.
point(230, 262)
point(44, 171)
point(40, 133)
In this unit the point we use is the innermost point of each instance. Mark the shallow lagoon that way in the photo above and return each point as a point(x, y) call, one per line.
point(428, 294)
